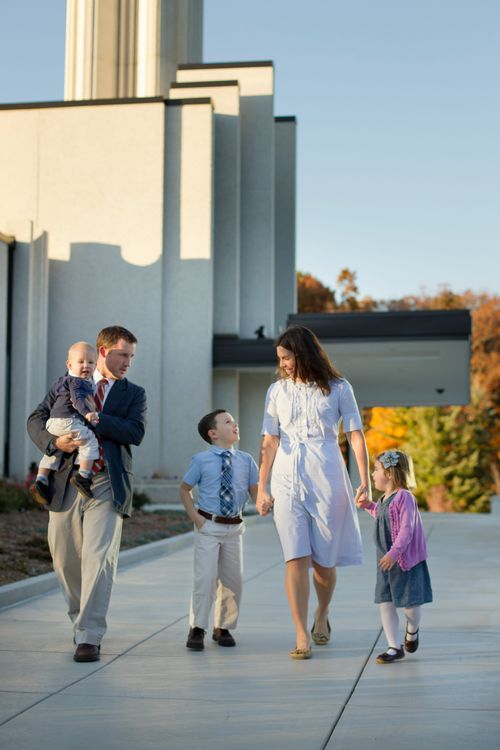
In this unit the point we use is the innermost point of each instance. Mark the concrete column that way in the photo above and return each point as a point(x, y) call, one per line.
point(4, 280)
point(128, 48)
point(226, 102)
point(285, 180)
point(253, 389)
point(28, 364)
point(256, 82)
point(226, 392)
point(187, 315)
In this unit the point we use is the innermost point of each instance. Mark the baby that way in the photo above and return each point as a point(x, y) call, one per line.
point(73, 407)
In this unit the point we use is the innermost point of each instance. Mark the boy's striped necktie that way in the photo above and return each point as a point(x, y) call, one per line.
point(226, 485)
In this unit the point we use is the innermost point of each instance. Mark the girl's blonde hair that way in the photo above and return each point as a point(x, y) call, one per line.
point(398, 466)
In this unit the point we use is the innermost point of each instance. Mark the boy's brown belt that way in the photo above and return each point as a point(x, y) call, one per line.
point(219, 519)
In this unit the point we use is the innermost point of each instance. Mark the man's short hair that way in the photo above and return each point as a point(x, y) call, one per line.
point(208, 422)
point(112, 334)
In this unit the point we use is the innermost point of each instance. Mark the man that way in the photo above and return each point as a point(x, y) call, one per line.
point(84, 534)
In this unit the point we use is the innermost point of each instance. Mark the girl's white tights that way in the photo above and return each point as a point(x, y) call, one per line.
point(390, 622)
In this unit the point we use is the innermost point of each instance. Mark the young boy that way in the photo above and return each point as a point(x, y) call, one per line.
point(224, 477)
point(74, 407)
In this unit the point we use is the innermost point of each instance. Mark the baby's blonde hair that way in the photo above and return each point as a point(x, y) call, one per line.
point(398, 466)
point(80, 345)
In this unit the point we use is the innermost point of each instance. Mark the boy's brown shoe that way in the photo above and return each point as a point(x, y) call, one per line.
point(195, 639)
point(223, 637)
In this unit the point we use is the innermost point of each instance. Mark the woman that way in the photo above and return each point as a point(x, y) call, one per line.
point(311, 492)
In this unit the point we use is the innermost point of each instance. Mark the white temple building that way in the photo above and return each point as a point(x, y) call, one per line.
point(160, 195)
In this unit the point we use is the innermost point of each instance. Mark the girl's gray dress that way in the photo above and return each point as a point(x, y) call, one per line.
point(404, 588)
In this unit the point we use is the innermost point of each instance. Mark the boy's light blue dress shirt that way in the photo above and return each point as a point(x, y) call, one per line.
point(205, 471)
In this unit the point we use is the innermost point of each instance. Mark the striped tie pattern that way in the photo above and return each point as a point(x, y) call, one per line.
point(98, 464)
point(226, 485)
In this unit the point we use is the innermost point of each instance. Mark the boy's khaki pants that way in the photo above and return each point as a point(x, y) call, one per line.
point(218, 571)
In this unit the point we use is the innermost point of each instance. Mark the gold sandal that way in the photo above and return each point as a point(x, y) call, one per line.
point(301, 653)
point(320, 639)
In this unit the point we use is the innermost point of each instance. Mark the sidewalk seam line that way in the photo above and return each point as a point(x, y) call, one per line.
point(117, 656)
point(351, 693)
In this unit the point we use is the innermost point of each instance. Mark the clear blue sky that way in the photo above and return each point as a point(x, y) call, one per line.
point(398, 107)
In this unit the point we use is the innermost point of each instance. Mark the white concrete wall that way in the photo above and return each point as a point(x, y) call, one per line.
point(226, 102)
point(285, 201)
point(187, 313)
point(405, 373)
point(257, 186)
point(93, 180)
point(4, 260)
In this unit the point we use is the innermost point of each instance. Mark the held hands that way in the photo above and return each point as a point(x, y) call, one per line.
point(264, 503)
point(386, 563)
point(92, 417)
point(363, 497)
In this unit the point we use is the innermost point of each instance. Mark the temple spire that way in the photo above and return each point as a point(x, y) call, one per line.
point(129, 48)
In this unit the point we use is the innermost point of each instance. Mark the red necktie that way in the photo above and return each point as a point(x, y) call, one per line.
point(98, 464)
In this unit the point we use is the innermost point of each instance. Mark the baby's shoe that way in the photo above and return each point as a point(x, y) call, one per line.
point(39, 491)
point(83, 485)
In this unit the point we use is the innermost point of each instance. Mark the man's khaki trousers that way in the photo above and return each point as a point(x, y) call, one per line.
point(84, 541)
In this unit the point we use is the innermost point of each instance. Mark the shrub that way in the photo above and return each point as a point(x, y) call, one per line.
point(13, 496)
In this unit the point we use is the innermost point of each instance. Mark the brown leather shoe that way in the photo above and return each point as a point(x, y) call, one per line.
point(195, 639)
point(87, 652)
point(223, 637)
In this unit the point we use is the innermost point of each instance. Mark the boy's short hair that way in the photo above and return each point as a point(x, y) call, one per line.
point(400, 469)
point(208, 422)
point(112, 334)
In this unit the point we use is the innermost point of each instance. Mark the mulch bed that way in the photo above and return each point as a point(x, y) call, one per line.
point(23, 538)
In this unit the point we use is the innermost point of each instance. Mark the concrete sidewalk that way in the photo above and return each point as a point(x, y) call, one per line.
point(148, 691)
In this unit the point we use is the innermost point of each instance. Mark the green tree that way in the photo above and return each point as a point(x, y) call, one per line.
point(452, 450)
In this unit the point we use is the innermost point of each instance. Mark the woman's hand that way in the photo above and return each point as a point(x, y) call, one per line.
point(386, 563)
point(264, 503)
point(363, 496)
point(362, 502)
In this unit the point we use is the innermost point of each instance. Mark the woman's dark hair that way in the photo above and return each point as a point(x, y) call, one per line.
point(208, 422)
point(312, 364)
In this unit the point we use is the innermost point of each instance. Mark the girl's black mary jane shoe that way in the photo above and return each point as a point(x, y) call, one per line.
point(387, 658)
point(411, 645)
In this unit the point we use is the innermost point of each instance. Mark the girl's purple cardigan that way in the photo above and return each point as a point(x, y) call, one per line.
point(408, 537)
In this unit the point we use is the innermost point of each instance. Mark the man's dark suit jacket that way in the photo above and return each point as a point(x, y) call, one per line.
point(122, 423)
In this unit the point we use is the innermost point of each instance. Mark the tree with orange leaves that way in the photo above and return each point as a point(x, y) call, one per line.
point(456, 449)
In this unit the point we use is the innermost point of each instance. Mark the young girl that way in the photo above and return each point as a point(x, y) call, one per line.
point(402, 575)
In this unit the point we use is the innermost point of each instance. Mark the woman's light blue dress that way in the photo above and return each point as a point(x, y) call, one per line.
point(314, 508)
